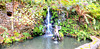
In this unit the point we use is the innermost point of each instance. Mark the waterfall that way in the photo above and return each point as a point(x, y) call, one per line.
point(48, 24)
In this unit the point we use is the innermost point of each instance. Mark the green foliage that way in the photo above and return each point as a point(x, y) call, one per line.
point(16, 34)
point(13, 37)
point(61, 33)
point(54, 18)
point(94, 9)
point(7, 40)
point(26, 34)
point(97, 26)
point(33, 15)
point(81, 34)
point(38, 30)
point(68, 26)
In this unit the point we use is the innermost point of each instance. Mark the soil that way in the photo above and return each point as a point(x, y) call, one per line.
point(1, 30)
point(5, 17)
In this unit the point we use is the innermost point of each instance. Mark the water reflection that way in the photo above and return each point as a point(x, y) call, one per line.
point(47, 43)
point(0, 46)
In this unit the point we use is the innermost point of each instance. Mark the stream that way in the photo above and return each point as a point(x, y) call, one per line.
point(43, 42)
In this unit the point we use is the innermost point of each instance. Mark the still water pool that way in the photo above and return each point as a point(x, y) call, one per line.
point(43, 42)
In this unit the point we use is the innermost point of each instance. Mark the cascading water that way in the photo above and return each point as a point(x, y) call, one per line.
point(48, 24)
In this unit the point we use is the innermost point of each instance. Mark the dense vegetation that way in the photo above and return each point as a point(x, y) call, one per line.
point(77, 18)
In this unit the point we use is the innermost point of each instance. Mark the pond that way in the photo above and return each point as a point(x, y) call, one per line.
point(43, 42)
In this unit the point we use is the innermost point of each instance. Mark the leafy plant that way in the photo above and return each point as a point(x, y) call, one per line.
point(5, 32)
point(68, 26)
point(54, 18)
point(85, 14)
point(7, 40)
point(38, 30)
point(61, 33)
point(94, 9)
point(26, 34)
point(16, 34)
point(82, 35)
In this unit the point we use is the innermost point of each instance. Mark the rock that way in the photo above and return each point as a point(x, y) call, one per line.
point(99, 44)
point(92, 45)
point(61, 38)
point(57, 38)
point(98, 47)
point(52, 38)
point(9, 7)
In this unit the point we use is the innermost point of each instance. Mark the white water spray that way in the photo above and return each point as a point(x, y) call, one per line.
point(49, 25)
